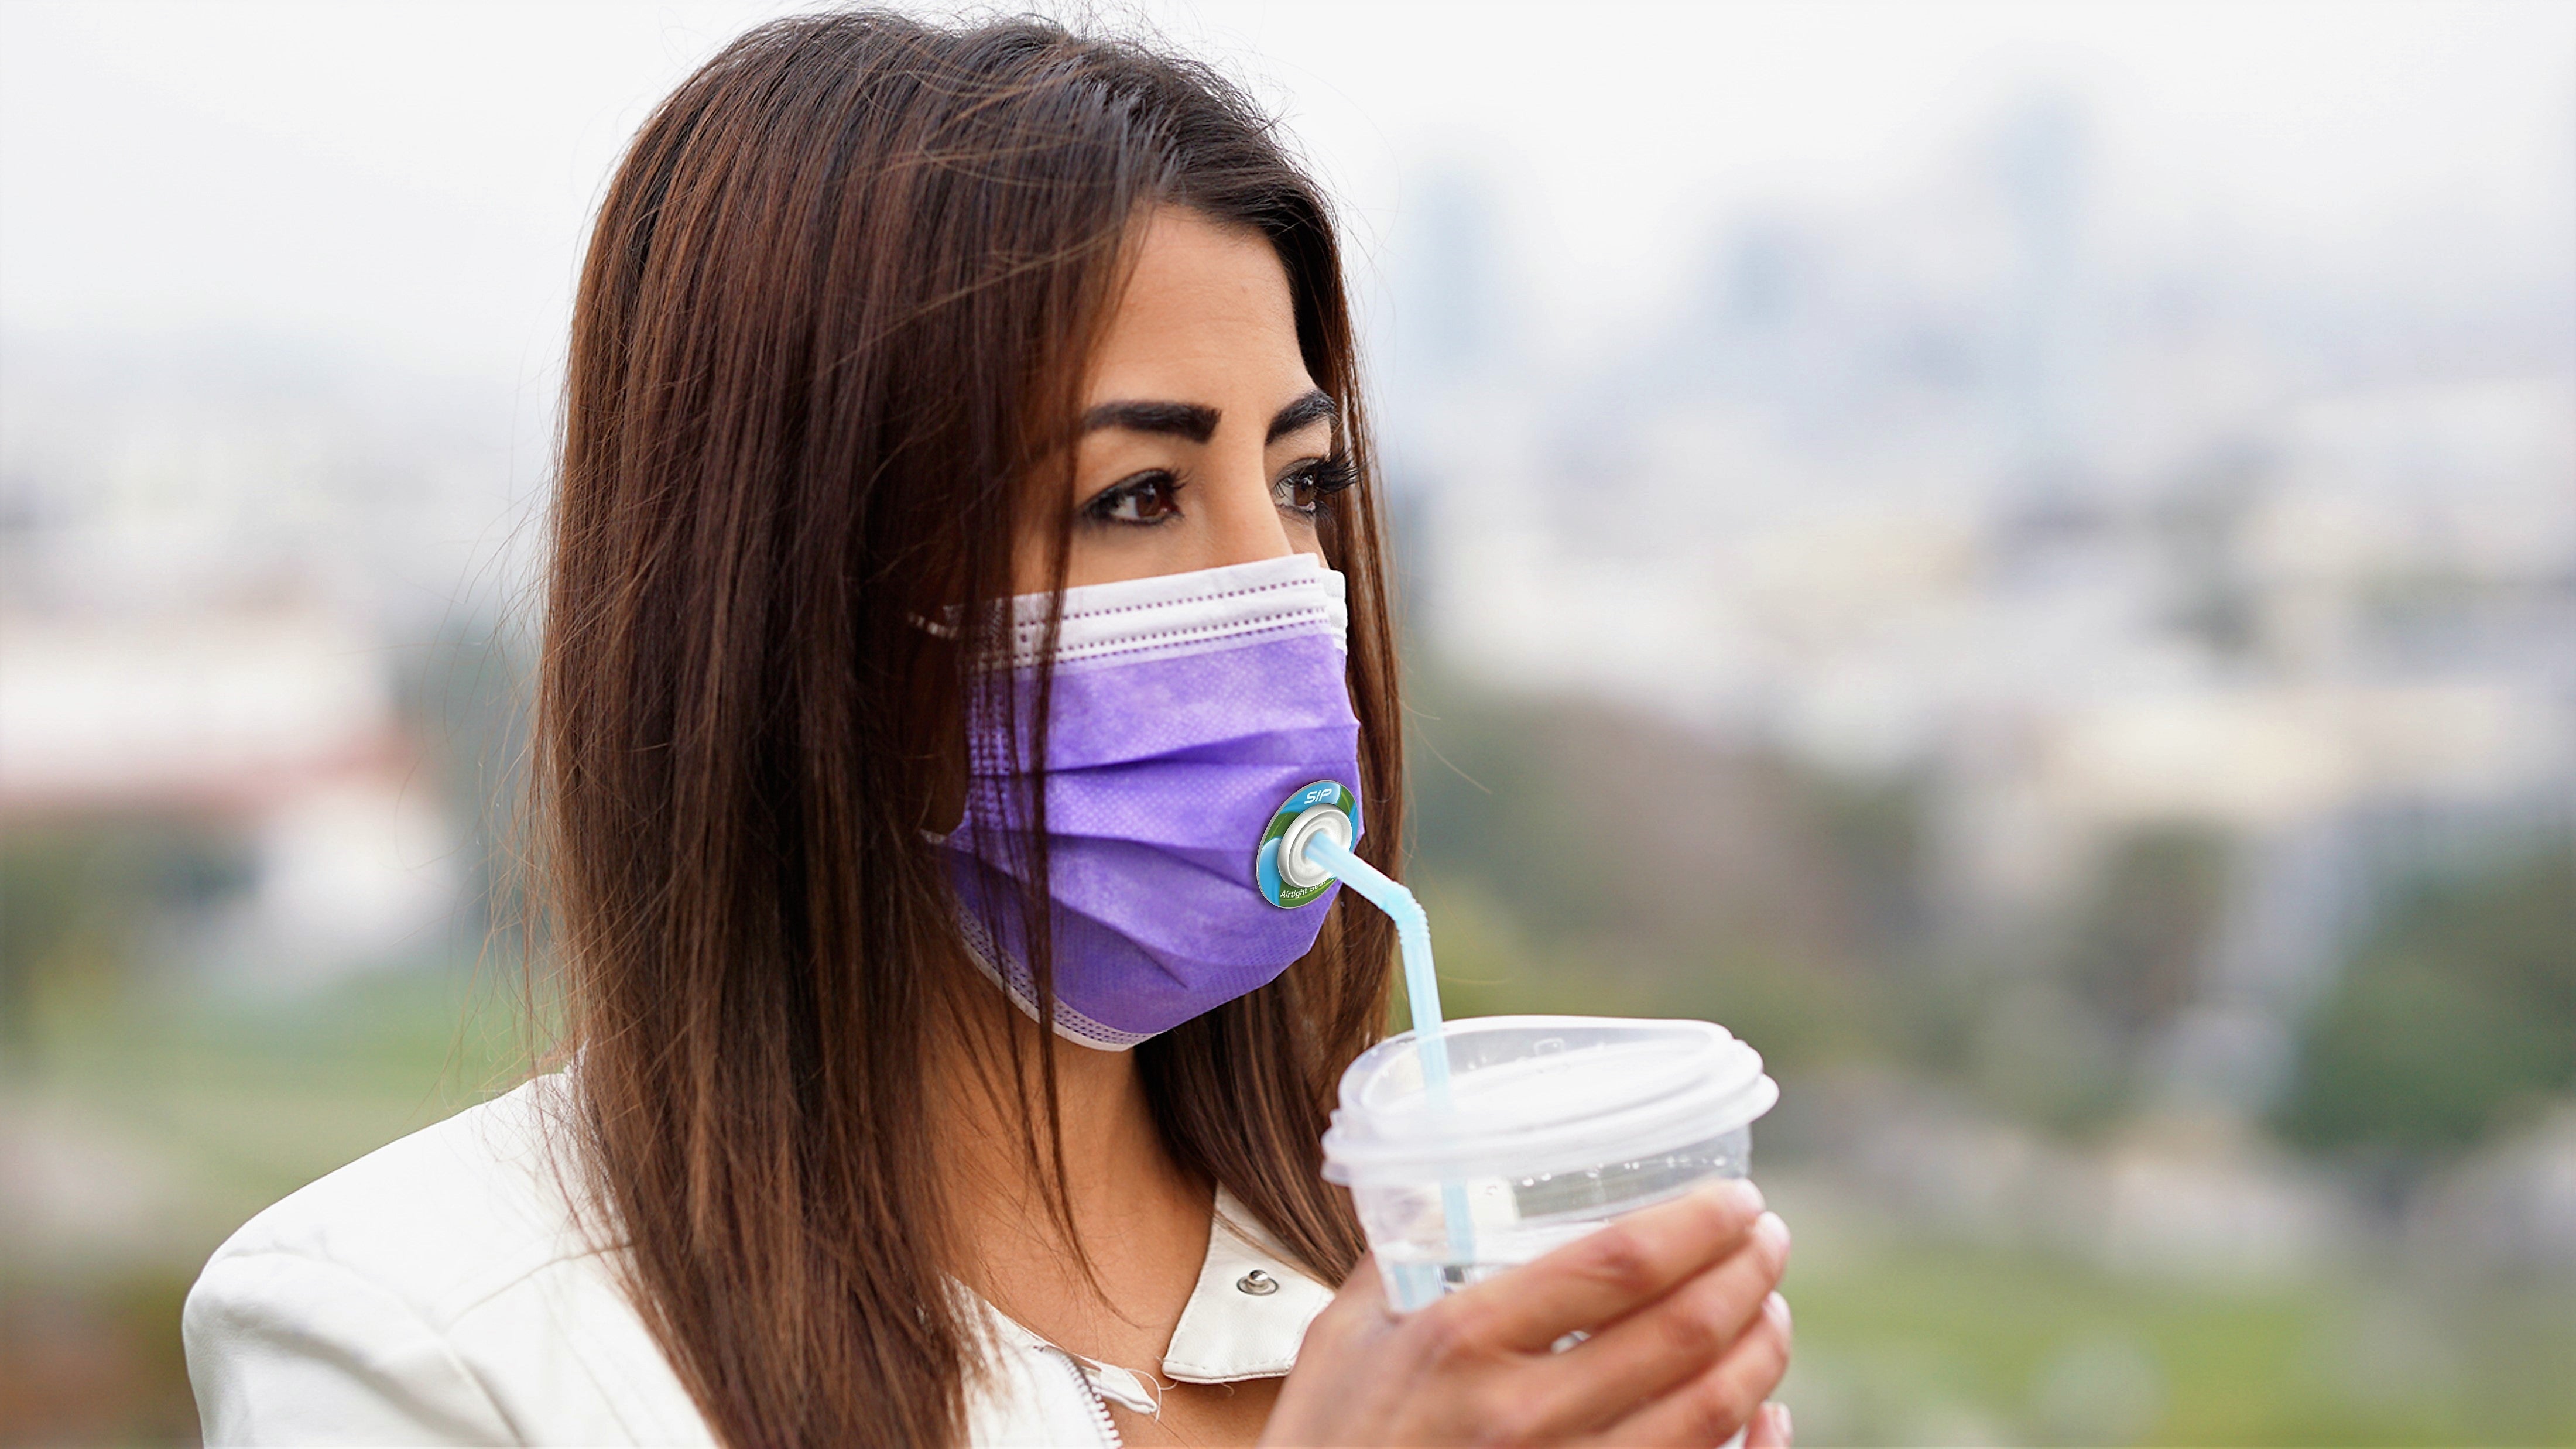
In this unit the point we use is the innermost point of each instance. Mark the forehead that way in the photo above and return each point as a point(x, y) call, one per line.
point(1206, 307)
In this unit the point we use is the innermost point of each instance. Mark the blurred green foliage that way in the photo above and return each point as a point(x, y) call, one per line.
point(2153, 909)
point(189, 1109)
point(88, 909)
point(1577, 857)
point(1913, 1340)
point(2061, 1023)
point(155, 1092)
point(2455, 1015)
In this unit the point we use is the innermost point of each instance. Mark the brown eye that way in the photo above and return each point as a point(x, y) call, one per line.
point(1146, 499)
point(1304, 491)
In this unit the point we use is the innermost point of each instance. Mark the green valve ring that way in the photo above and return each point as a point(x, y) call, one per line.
point(1279, 865)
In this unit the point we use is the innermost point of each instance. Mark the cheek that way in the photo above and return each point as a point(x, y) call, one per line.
point(1033, 542)
point(1029, 564)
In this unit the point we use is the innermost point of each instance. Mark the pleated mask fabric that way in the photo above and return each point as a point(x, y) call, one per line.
point(1185, 709)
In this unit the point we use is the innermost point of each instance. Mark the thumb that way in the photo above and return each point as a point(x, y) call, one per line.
point(1363, 1291)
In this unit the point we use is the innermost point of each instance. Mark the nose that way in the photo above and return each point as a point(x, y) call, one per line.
point(1240, 520)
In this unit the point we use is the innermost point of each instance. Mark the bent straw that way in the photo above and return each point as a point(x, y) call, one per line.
point(1421, 990)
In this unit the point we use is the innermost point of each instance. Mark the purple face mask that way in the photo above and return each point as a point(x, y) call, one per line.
point(1186, 710)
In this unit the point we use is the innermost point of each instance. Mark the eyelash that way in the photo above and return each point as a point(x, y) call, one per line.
point(1103, 508)
point(1324, 477)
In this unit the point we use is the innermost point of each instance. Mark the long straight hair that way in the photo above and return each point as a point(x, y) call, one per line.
point(827, 350)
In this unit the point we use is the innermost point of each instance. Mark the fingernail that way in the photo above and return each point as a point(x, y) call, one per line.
point(1773, 1230)
point(1780, 1412)
point(1778, 1308)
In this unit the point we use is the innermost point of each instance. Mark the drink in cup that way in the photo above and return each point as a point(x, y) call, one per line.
point(1546, 1128)
point(1474, 1146)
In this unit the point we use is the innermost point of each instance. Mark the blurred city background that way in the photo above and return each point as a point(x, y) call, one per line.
point(2021, 557)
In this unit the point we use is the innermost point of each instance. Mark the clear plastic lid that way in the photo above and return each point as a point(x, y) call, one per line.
point(1533, 1094)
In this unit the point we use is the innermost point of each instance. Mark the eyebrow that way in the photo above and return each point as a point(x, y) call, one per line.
point(1314, 407)
point(1197, 422)
point(1185, 420)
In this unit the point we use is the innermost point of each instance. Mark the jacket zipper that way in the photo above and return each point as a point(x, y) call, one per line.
point(1109, 1435)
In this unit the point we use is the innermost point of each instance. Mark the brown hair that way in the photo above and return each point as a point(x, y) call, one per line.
point(833, 319)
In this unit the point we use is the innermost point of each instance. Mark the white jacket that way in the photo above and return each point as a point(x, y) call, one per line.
point(438, 1291)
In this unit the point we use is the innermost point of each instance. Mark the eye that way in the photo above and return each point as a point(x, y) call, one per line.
point(1305, 487)
point(1143, 500)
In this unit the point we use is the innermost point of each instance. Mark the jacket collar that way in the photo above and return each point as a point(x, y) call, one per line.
point(1244, 1320)
point(1249, 1312)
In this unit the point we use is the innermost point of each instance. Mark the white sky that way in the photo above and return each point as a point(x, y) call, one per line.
point(414, 178)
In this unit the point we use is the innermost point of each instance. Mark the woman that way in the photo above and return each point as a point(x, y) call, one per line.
point(964, 543)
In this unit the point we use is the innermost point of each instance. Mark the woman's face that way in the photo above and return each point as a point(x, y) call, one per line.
point(1204, 441)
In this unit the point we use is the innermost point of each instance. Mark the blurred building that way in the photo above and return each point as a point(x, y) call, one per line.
point(227, 566)
point(275, 728)
point(2092, 544)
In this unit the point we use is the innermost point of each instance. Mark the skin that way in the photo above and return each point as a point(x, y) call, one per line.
point(1688, 1337)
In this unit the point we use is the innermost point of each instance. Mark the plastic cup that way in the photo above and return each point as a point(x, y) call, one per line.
point(1553, 1126)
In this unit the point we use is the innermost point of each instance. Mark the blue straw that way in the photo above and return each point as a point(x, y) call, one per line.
point(1421, 990)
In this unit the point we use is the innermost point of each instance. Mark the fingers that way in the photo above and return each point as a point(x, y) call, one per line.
point(1339, 1380)
point(1363, 1292)
point(1356, 1318)
point(1769, 1429)
point(1708, 1409)
point(1609, 1273)
point(1670, 1341)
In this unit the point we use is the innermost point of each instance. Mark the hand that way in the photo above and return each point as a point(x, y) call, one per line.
point(1687, 1340)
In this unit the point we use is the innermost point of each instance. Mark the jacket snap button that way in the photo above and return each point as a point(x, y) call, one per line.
point(1257, 1283)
